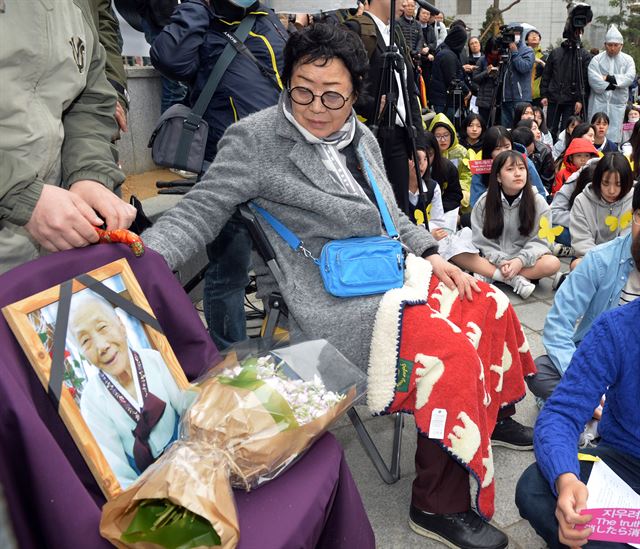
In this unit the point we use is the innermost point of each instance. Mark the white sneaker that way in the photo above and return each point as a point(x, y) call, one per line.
point(523, 287)
point(483, 278)
point(558, 279)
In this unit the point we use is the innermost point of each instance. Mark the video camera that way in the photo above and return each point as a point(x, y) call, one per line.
point(579, 16)
point(429, 7)
point(506, 37)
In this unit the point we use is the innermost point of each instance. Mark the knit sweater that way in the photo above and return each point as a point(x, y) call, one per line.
point(263, 157)
point(607, 357)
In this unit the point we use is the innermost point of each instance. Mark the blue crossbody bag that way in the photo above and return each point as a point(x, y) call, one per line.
point(357, 266)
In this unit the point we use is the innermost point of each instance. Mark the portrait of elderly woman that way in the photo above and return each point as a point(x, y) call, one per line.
point(131, 403)
point(442, 344)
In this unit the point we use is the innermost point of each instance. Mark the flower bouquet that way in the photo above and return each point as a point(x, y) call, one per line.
point(253, 415)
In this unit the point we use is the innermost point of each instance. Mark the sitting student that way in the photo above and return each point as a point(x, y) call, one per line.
point(444, 172)
point(522, 111)
point(605, 278)
point(496, 140)
point(538, 116)
point(456, 246)
point(564, 137)
point(537, 151)
point(552, 492)
point(631, 116)
point(450, 148)
point(563, 201)
point(473, 128)
point(601, 121)
point(603, 210)
point(579, 152)
point(506, 222)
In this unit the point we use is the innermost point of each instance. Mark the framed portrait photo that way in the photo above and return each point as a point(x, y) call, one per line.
point(100, 353)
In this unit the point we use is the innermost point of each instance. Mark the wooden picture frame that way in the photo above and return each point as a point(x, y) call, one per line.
point(28, 317)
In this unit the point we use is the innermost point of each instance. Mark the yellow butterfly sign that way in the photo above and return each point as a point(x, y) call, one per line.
point(613, 222)
point(419, 215)
point(547, 231)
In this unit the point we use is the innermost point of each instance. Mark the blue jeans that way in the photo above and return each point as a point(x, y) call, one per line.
point(172, 91)
point(564, 237)
point(537, 504)
point(226, 278)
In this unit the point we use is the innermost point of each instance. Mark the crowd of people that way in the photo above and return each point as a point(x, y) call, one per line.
point(493, 158)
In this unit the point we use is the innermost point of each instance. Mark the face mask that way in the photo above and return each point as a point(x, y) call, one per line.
point(634, 117)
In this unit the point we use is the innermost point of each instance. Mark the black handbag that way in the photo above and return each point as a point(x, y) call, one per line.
point(180, 136)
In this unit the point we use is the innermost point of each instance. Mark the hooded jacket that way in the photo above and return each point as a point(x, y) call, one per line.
point(187, 50)
point(517, 77)
point(511, 244)
point(457, 154)
point(447, 67)
point(578, 145)
point(611, 95)
point(594, 221)
point(560, 207)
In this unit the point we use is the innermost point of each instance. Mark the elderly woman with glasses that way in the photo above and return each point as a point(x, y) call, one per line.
point(456, 343)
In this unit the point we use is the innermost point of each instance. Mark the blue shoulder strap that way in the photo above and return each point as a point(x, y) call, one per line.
point(296, 244)
point(382, 205)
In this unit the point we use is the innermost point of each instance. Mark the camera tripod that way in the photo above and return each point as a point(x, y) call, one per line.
point(394, 64)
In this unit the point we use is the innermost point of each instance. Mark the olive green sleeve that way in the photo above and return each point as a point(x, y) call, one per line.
point(20, 189)
point(89, 124)
point(109, 35)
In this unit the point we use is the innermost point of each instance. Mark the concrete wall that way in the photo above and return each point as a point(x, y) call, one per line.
point(144, 111)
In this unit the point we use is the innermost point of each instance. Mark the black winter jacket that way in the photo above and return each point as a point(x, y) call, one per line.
point(188, 48)
point(560, 76)
point(449, 182)
point(487, 84)
point(446, 68)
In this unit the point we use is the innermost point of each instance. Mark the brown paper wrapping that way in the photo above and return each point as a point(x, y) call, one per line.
point(189, 474)
point(233, 419)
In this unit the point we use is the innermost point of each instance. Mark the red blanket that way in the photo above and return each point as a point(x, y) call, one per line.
point(432, 351)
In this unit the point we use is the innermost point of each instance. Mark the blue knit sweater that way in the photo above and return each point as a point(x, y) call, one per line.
point(609, 355)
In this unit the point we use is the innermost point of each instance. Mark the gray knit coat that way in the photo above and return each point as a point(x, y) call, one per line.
point(265, 158)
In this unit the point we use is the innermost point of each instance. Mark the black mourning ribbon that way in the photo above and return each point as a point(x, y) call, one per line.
point(62, 320)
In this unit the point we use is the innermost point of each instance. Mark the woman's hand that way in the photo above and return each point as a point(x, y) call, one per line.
point(453, 277)
point(511, 268)
point(572, 498)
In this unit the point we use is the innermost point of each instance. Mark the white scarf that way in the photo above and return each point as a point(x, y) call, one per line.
point(329, 149)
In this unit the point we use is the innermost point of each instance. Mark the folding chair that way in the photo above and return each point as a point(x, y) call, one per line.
point(276, 310)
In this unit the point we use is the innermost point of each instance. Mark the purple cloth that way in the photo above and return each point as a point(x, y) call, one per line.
point(53, 500)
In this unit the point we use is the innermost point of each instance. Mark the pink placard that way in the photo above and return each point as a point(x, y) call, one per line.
point(621, 525)
point(628, 126)
point(480, 166)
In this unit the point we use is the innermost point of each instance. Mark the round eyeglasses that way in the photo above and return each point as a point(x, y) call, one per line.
point(330, 99)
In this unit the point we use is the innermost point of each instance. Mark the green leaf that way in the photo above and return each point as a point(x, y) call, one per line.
point(168, 525)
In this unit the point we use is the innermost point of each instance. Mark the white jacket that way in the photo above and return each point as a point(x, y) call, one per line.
point(613, 102)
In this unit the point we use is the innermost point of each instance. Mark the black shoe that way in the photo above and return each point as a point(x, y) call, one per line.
point(511, 434)
point(457, 530)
